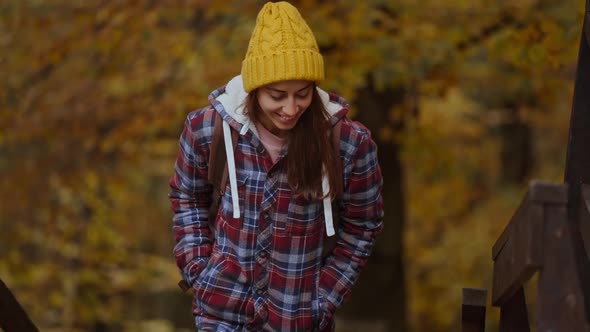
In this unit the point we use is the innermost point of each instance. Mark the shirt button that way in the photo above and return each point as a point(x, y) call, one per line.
point(264, 313)
point(259, 292)
point(263, 254)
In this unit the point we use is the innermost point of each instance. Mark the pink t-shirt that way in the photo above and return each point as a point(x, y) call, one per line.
point(272, 143)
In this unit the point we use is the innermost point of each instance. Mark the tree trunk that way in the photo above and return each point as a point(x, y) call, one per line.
point(380, 293)
point(516, 151)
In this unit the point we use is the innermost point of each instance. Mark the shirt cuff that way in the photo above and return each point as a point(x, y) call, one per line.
point(327, 317)
point(193, 269)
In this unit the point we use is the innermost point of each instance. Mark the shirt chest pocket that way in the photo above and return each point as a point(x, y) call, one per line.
point(305, 217)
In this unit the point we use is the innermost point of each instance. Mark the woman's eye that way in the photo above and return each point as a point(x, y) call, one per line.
point(276, 98)
point(302, 96)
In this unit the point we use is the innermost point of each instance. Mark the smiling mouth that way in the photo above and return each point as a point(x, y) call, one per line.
point(286, 118)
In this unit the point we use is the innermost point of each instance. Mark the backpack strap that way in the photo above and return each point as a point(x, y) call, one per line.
point(218, 172)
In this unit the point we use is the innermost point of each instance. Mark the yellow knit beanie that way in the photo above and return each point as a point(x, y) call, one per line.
point(282, 47)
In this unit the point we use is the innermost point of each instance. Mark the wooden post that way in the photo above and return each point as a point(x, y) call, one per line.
point(473, 310)
point(584, 217)
point(513, 314)
point(577, 167)
point(560, 297)
point(13, 317)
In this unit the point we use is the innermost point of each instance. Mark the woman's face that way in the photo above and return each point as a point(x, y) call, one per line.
point(283, 103)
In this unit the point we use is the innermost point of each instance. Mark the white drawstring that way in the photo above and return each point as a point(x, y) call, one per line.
point(231, 168)
point(327, 205)
point(245, 127)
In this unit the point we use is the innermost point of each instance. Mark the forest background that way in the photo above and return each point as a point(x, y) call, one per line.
point(468, 100)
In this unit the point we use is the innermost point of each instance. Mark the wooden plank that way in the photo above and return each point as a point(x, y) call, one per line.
point(475, 296)
point(473, 310)
point(577, 164)
point(520, 257)
point(509, 229)
point(548, 192)
point(539, 192)
point(513, 314)
point(13, 317)
point(518, 253)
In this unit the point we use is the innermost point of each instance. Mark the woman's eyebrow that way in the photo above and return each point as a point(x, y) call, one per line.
point(282, 91)
point(275, 90)
point(307, 86)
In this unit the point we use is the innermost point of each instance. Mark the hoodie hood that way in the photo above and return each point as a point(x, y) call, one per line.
point(229, 102)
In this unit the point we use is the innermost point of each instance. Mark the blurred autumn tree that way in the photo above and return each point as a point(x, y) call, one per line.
point(466, 99)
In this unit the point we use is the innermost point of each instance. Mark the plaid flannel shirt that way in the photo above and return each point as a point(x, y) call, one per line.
point(265, 270)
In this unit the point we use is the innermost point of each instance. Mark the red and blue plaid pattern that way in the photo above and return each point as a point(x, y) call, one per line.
point(265, 270)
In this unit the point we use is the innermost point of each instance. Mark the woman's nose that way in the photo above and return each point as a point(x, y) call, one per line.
point(291, 107)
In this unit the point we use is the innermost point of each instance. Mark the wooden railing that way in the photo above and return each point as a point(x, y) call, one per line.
point(13, 317)
point(540, 238)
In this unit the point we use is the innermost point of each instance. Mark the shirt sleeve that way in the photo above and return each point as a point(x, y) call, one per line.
point(361, 219)
point(190, 197)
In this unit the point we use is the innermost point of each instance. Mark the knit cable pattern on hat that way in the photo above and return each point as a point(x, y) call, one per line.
point(282, 47)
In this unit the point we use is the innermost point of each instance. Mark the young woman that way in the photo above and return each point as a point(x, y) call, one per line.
point(264, 270)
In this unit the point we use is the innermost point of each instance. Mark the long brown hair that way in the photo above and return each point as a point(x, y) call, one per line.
point(310, 147)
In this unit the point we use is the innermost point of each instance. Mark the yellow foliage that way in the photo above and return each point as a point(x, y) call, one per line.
point(93, 96)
